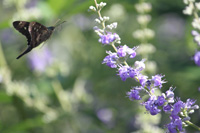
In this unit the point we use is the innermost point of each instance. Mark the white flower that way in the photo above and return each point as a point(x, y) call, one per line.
point(92, 8)
point(189, 9)
point(143, 19)
point(139, 65)
point(102, 4)
point(143, 7)
point(196, 23)
point(197, 4)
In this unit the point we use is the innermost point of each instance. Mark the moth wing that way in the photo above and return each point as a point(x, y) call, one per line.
point(22, 27)
point(37, 31)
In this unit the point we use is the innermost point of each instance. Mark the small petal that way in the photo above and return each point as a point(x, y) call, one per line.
point(197, 58)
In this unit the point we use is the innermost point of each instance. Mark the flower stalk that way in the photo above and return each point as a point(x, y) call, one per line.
point(178, 110)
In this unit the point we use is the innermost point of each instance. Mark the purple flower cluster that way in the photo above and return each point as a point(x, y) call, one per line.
point(134, 94)
point(178, 110)
point(125, 50)
point(111, 60)
point(108, 38)
point(155, 104)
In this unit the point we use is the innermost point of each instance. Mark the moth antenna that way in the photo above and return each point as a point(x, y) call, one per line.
point(56, 22)
point(60, 23)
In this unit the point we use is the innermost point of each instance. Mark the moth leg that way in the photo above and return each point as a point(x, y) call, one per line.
point(25, 52)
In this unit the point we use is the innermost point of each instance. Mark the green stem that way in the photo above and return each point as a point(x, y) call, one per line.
point(99, 13)
point(2, 57)
point(103, 25)
point(193, 125)
point(58, 90)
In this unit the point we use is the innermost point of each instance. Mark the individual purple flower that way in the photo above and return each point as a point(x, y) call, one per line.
point(133, 94)
point(196, 36)
point(170, 95)
point(160, 100)
point(139, 65)
point(189, 103)
point(132, 72)
point(142, 79)
point(108, 38)
point(124, 72)
point(111, 59)
point(167, 108)
point(177, 107)
point(41, 59)
point(125, 50)
point(197, 58)
point(157, 80)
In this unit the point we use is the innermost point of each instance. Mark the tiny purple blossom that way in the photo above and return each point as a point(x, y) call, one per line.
point(139, 65)
point(123, 72)
point(167, 108)
point(160, 101)
point(124, 50)
point(170, 95)
point(142, 79)
point(197, 58)
point(196, 36)
point(177, 107)
point(151, 106)
point(132, 72)
point(111, 59)
point(157, 80)
point(133, 94)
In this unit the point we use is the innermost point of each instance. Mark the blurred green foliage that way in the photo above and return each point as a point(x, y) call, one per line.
point(73, 90)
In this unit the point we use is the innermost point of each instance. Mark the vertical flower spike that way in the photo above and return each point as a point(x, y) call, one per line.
point(177, 110)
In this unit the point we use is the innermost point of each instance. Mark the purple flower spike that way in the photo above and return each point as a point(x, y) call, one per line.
point(197, 58)
point(111, 59)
